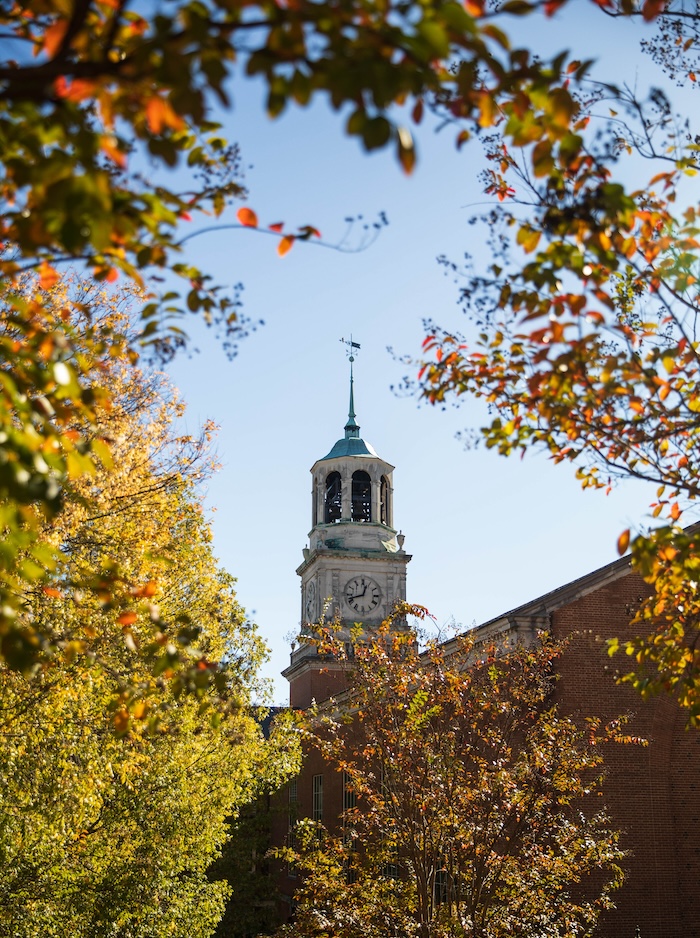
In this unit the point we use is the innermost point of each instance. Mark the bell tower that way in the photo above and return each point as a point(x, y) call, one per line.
point(354, 568)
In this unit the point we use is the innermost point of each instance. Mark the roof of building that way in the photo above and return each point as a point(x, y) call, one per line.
point(542, 606)
point(351, 446)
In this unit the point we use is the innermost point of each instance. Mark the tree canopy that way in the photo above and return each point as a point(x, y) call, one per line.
point(584, 326)
point(117, 786)
point(587, 342)
point(99, 100)
point(474, 805)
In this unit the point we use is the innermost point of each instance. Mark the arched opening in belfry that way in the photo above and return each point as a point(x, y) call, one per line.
point(333, 498)
point(384, 501)
point(361, 496)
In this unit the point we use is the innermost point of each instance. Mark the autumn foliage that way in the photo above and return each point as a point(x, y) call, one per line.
point(127, 744)
point(584, 326)
point(477, 805)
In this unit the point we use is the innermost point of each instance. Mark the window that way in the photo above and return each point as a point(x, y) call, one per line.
point(349, 796)
point(361, 496)
point(291, 829)
point(292, 844)
point(440, 887)
point(384, 501)
point(349, 802)
point(317, 799)
point(333, 498)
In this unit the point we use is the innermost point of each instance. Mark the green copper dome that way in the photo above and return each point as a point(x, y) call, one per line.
point(350, 446)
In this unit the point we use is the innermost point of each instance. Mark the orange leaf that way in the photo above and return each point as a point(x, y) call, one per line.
point(121, 721)
point(108, 146)
point(53, 37)
point(551, 6)
point(140, 709)
point(77, 90)
point(53, 593)
point(285, 245)
point(623, 542)
point(278, 226)
point(652, 9)
point(48, 277)
point(148, 589)
point(159, 114)
point(127, 618)
point(675, 511)
point(247, 217)
point(474, 7)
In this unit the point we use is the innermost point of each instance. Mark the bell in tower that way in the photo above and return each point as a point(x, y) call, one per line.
point(354, 569)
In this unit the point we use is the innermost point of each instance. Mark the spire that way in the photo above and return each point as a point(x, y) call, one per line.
point(352, 430)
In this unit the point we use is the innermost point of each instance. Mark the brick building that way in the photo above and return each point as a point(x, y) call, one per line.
point(355, 567)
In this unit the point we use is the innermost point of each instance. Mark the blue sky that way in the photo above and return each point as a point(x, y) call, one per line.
point(486, 533)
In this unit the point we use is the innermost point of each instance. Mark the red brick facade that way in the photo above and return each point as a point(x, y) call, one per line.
point(652, 792)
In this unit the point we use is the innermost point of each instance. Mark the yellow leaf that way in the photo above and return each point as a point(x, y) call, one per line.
point(406, 150)
point(487, 107)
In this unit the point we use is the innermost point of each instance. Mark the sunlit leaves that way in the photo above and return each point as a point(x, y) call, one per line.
point(584, 341)
point(466, 778)
point(129, 745)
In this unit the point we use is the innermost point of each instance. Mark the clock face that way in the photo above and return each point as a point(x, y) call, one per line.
point(362, 594)
point(310, 601)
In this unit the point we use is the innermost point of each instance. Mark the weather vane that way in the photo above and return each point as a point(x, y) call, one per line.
point(351, 348)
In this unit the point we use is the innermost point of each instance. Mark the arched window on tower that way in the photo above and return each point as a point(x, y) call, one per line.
point(361, 496)
point(333, 498)
point(384, 501)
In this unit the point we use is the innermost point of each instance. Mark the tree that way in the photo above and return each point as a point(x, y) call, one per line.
point(92, 87)
point(585, 325)
point(477, 809)
point(142, 467)
point(93, 91)
point(116, 786)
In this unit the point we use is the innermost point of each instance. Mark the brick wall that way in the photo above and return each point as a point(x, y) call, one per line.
point(650, 792)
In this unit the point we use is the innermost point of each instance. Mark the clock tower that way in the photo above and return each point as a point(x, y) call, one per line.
point(354, 569)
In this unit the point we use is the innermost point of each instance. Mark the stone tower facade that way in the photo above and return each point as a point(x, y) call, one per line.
point(354, 568)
